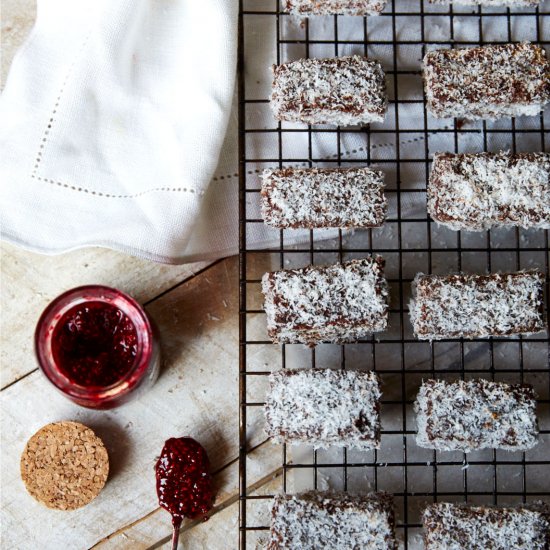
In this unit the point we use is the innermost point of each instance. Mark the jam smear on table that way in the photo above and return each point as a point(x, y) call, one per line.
point(95, 344)
point(184, 483)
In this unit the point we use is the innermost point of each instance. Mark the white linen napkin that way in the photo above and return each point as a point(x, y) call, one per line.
point(113, 118)
point(132, 98)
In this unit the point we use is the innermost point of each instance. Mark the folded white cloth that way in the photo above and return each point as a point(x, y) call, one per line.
point(114, 114)
point(113, 118)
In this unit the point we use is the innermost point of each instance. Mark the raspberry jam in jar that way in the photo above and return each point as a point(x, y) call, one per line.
point(97, 346)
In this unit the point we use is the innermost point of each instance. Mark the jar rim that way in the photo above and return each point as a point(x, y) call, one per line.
point(54, 312)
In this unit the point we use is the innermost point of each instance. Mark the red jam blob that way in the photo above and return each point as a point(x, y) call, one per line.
point(94, 344)
point(184, 483)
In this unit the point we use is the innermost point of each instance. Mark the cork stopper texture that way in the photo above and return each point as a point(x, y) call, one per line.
point(64, 465)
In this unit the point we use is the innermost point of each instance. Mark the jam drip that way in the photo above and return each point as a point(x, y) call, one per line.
point(94, 344)
point(184, 483)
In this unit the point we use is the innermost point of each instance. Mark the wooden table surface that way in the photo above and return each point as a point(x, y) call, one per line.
point(196, 308)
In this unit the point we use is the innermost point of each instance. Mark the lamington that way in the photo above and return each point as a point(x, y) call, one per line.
point(340, 521)
point(323, 197)
point(337, 303)
point(477, 306)
point(343, 91)
point(324, 407)
point(460, 526)
point(478, 191)
point(476, 414)
point(487, 82)
point(334, 7)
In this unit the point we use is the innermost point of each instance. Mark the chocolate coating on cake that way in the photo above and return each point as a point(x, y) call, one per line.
point(477, 306)
point(324, 407)
point(478, 191)
point(315, 520)
point(334, 7)
point(343, 91)
point(487, 82)
point(323, 197)
point(476, 414)
point(459, 526)
point(337, 303)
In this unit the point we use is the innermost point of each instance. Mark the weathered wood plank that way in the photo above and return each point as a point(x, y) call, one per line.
point(195, 395)
point(221, 531)
point(264, 465)
point(30, 281)
point(16, 17)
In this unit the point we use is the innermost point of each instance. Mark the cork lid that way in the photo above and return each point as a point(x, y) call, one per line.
point(64, 465)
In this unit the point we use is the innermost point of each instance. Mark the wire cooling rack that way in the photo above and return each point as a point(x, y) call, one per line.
point(410, 242)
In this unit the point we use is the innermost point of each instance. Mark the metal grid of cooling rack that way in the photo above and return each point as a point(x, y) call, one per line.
point(402, 147)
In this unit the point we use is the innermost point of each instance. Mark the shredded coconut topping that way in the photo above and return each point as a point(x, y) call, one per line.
point(487, 82)
point(334, 7)
point(476, 414)
point(339, 521)
point(324, 407)
point(479, 191)
point(323, 197)
point(470, 306)
point(459, 527)
point(337, 303)
point(343, 91)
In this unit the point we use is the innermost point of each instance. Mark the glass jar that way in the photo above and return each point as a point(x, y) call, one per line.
point(97, 346)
